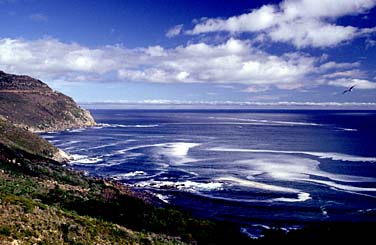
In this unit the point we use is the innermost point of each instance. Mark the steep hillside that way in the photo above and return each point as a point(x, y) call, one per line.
point(31, 104)
point(20, 138)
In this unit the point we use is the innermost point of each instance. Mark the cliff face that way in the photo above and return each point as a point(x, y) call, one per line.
point(29, 103)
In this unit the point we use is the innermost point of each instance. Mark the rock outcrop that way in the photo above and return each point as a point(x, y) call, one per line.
point(31, 104)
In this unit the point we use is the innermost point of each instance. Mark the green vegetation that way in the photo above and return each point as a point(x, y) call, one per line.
point(22, 139)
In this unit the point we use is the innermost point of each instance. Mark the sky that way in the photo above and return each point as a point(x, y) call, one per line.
point(195, 52)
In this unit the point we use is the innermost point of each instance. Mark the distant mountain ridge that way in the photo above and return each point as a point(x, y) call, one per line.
point(29, 103)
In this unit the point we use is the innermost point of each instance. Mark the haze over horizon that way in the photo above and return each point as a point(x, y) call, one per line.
point(195, 52)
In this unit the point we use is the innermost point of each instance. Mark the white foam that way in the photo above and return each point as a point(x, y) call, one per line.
point(323, 211)
point(49, 136)
point(88, 160)
point(324, 155)
point(177, 149)
point(250, 235)
point(54, 141)
point(128, 175)
point(106, 125)
point(302, 197)
point(78, 156)
point(76, 130)
point(187, 185)
point(293, 169)
point(348, 129)
point(161, 197)
point(84, 159)
point(368, 210)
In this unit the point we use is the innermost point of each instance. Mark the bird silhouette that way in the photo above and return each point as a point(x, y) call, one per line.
point(348, 90)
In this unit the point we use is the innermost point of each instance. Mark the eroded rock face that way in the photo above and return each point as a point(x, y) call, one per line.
point(31, 104)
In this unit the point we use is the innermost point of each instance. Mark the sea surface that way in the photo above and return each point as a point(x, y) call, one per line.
point(257, 168)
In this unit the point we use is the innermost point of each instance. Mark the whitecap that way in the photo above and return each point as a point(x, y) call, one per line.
point(302, 197)
point(177, 152)
point(48, 136)
point(177, 149)
point(163, 198)
point(187, 185)
point(128, 126)
point(87, 160)
point(323, 211)
point(366, 211)
point(128, 175)
point(78, 157)
point(348, 129)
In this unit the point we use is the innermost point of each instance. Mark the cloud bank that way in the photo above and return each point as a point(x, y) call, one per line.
point(232, 62)
point(303, 23)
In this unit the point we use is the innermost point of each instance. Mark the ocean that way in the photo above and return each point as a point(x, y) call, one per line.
point(256, 168)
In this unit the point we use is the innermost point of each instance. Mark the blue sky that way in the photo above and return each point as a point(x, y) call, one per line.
point(188, 51)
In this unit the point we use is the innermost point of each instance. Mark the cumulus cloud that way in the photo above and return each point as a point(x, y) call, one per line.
point(232, 62)
point(174, 31)
point(256, 20)
point(304, 23)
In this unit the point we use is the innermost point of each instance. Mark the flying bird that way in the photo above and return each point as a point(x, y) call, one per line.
point(348, 90)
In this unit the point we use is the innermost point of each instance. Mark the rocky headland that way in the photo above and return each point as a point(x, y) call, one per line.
point(29, 103)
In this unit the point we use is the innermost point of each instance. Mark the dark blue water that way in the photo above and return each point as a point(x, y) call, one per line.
point(255, 168)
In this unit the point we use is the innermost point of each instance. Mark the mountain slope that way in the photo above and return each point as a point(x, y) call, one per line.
point(31, 104)
point(22, 139)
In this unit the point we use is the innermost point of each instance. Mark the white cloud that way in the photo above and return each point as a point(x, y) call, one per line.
point(304, 23)
point(174, 31)
point(325, 8)
point(346, 73)
point(311, 32)
point(256, 20)
point(155, 51)
point(234, 62)
point(334, 65)
point(38, 17)
point(348, 82)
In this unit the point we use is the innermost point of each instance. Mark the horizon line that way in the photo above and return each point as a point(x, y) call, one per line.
point(175, 104)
